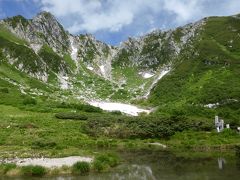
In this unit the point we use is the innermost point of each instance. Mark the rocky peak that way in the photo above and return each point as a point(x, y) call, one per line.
point(47, 27)
point(45, 15)
point(42, 29)
point(16, 21)
point(47, 20)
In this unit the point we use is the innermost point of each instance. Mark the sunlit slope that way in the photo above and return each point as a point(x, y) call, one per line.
point(206, 78)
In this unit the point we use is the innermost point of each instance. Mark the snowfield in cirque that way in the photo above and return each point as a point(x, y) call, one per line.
point(127, 108)
point(124, 108)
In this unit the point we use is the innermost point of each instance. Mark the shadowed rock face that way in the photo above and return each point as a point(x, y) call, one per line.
point(146, 52)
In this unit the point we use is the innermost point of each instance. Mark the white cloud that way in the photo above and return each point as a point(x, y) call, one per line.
point(232, 7)
point(113, 15)
point(184, 10)
point(96, 15)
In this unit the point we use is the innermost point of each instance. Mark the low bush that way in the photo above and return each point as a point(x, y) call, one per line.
point(81, 168)
point(4, 90)
point(116, 112)
point(100, 166)
point(74, 116)
point(105, 161)
point(81, 107)
point(29, 101)
point(228, 133)
point(33, 171)
point(42, 143)
point(237, 149)
point(142, 127)
point(7, 167)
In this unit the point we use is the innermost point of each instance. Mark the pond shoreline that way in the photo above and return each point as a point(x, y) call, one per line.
point(128, 159)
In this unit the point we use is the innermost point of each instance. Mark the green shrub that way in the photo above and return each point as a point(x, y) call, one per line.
point(42, 143)
point(81, 107)
point(4, 90)
point(100, 166)
point(140, 127)
point(116, 112)
point(7, 167)
point(29, 101)
point(89, 108)
point(102, 143)
point(81, 168)
point(237, 149)
point(33, 171)
point(228, 133)
point(74, 116)
point(105, 161)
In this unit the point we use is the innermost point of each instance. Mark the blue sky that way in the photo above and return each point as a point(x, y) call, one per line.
point(113, 21)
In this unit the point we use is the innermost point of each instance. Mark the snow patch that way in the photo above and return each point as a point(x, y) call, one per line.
point(90, 68)
point(21, 88)
point(102, 68)
point(147, 75)
point(125, 108)
point(211, 106)
point(36, 47)
point(74, 52)
point(74, 49)
point(63, 80)
point(41, 76)
point(161, 75)
point(20, 66)
point(158, 144)
point(49, 162)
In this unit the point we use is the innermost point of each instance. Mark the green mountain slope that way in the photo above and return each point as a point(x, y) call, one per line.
point(205, 80)
point(196, 67)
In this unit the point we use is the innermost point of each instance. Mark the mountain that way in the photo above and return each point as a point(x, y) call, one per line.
point(191, 70)
point(205, 81)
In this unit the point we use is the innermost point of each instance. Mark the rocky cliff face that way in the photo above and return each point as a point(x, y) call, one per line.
point(56, 54)
point(42, 29)
point(184, 71)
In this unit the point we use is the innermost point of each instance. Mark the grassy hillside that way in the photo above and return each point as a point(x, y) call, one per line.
point(44, 119)
point(206, 74)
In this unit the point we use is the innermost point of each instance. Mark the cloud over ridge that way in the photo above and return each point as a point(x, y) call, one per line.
point(115, 20)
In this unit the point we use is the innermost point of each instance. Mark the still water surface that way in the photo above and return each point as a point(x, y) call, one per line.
point(152, 165)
